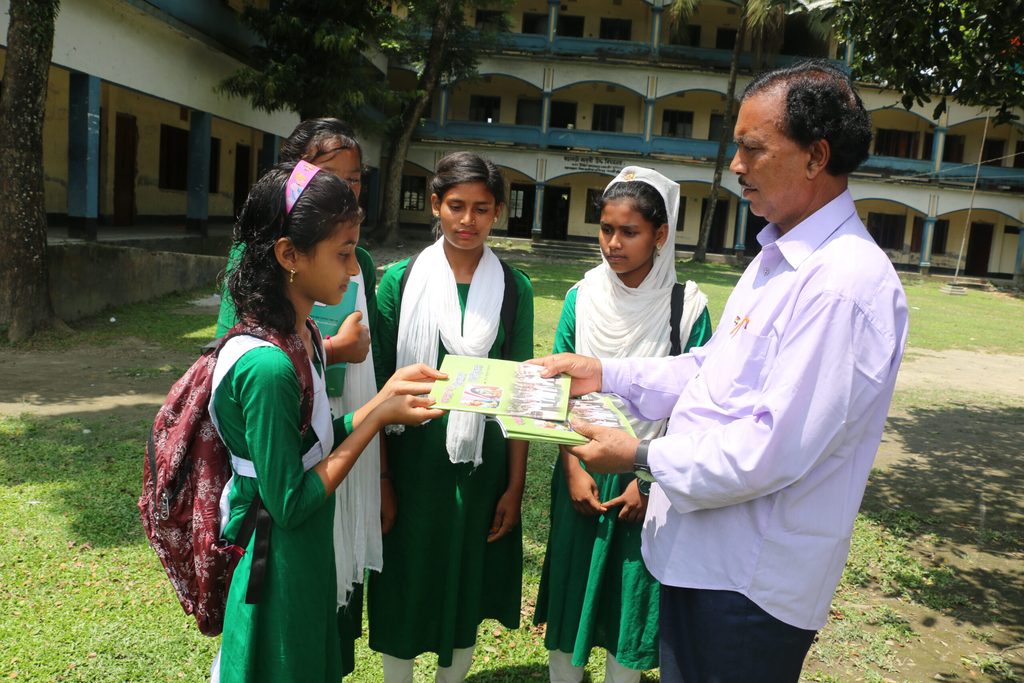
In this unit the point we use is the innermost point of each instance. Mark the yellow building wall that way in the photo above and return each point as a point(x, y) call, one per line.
point(703, 104)
point(586, 95)
point(510, 90)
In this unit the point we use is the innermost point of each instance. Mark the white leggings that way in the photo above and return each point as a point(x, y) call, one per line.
point(400, 670)
point(561, 670)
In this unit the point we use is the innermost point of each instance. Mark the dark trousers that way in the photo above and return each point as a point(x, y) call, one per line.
point(710, 636)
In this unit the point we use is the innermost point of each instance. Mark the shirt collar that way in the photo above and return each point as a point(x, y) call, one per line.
point(809, 234)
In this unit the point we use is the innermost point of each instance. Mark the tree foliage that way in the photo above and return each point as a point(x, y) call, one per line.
point(312, 58)
point(969, 51)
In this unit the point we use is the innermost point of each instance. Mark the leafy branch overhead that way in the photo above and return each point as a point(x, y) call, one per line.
point(312, 58)
point(968, 51)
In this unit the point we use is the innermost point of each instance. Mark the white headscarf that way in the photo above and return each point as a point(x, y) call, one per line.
point(357, 535)
point(430, 312)
point(616, 321)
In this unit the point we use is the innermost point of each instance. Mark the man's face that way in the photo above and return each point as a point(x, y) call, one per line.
point(772, 169)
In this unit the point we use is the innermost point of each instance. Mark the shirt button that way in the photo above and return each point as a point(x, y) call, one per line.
point(765, 271)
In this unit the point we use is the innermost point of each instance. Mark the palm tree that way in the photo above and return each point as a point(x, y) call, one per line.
point(764, 20)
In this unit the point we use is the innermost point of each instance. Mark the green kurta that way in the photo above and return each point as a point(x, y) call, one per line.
point(226, 318)
point(441, 578)
point(292, 634)
point(595, 589)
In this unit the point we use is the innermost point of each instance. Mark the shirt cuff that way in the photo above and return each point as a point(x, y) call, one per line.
point(616, 376)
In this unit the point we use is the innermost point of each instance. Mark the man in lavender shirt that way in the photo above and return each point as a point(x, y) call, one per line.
point(775, 422)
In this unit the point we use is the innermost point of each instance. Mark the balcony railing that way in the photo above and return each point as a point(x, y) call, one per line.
point(629, 49)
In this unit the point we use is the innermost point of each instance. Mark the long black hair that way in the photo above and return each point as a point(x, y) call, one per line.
point(257, 285)
point(647, 201)
point(314, 138)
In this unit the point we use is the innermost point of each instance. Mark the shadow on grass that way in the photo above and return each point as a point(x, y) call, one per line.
point(87, 467)
point(961, 486)
point(511, 674)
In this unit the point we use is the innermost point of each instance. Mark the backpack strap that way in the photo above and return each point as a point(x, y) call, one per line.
point(509, 301)
point(509, 306)
point(675, 315)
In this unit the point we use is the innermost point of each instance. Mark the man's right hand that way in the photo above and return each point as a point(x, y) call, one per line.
point(584, 371)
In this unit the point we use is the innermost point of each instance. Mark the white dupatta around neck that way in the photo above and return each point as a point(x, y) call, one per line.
point(616, 321)
point(430, 313)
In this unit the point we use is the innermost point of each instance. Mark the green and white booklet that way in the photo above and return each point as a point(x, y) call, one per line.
point(595, 408)
point(500, 387)
point(525, 405)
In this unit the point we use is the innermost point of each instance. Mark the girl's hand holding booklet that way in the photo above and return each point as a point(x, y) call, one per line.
point(525, 405)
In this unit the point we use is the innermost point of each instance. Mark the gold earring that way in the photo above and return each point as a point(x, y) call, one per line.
point(291, 276)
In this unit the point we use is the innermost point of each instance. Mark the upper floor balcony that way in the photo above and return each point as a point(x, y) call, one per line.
point(638, 30)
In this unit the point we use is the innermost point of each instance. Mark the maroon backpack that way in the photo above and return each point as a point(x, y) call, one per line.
point(184, 472)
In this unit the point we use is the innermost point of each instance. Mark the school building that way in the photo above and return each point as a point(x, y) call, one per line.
point(136, 132)
point(579, 89)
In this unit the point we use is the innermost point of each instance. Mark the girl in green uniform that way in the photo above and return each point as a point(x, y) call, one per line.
point(296, 228)
point(364, 502)
point(595, 590)
point(454, 555)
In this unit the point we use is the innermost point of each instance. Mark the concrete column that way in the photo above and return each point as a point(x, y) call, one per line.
point(545, 118)
point(538, 211)
point(553, 6)
point(927, 233)
point(656, 12)
point(269, 152)
point(83, 155)
point(848, 55)
point(1018, 274)
point(648, 119)
point(442, 116)
point(938, 146)
point(740, 243)
point(198, 183)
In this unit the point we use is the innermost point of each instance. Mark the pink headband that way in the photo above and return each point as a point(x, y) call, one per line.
point(297, 181)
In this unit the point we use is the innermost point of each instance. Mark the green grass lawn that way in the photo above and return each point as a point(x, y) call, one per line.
point(83, 598)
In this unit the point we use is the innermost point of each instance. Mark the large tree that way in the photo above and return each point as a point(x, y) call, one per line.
point(435, 39)
point(25, 305)
point(312, 58)
point(968, 51)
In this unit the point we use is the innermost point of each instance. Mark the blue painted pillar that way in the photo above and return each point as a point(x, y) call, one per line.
point(553, 6)
point(848, 56)
point(740, 241)
point(656, 12)
point(648, 120)
point(1018, 274)
point(545, 118)
point(198, 179)
point(927, 233)
point(83, 155)
point(538, 211)
point(268, 153)
point(442, 116)
point(938, 147)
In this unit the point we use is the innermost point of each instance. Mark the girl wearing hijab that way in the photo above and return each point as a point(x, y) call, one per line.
point(595, 590)
point(454, 556)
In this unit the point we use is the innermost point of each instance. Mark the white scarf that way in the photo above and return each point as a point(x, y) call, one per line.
point(430, 311)
point(357, 536)
point(616, 321)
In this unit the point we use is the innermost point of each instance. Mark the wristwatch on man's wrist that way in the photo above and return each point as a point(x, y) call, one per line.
point(641, 469)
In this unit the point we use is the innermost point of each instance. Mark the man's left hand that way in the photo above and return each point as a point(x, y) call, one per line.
point(609, 451)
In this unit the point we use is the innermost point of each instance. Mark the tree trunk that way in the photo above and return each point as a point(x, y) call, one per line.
point(25, 304)
point(410, 120)
point(700, 253)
